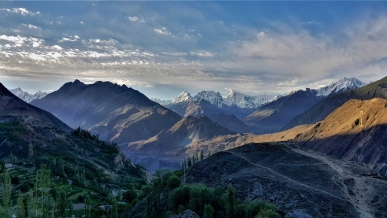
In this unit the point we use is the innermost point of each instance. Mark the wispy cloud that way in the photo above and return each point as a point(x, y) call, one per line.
point(162, 31)
point(21, 11)
point(135, 19)
point(202, 54)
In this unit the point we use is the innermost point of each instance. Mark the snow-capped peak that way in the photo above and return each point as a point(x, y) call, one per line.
point(184, 96)
point(162, 102)
point(245, 101)
point(27, 97)
point(213, 97)
point(342, 85)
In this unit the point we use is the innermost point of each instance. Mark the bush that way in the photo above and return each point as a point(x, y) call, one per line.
point(15, 180)
point(256, 207)
point(173, 182)
point(145, 190)
point(129, 195)
point(208, 211)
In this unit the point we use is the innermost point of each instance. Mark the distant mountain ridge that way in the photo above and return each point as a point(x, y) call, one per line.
point(27, 97)
point(233, 99)
point(161, 102)
point(117, 113)
point(342, 85)
point(205, 108)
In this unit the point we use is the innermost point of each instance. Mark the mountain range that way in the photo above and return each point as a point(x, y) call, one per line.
point(27, 97)
point(234, 99)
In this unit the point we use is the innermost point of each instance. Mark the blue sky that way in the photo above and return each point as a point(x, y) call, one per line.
point(164, 48)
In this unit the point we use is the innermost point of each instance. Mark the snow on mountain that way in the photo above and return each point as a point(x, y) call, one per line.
point(342, 85)
point(235, 98)
point(184, 96)
point(245, 101)
point(162, 102)
point(27, 97)
point(215, 98)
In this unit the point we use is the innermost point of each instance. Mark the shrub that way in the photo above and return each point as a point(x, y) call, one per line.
point(173, 182)
point(129, 195)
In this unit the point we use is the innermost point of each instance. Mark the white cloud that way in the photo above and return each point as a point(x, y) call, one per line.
point(287, 52)
point(69, 39)
point(136, 19)
point(30, 26)
point(202, 53)
point(162, 31)
point(21, 11)
point(81, 22)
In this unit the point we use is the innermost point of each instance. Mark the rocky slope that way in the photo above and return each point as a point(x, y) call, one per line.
point(185, 132)
point(231, 122)
point(354, 132)
point(322, 109)
point(115, 113)
point(27, 97)
point(299, 183)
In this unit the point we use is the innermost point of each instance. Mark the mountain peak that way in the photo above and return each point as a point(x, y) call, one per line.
point(27, 97)
point(184, 96)
point(339, 86)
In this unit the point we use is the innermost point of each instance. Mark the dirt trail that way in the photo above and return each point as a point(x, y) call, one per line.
point(359, 195)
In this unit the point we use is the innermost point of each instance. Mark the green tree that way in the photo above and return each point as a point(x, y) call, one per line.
point(230, 201)
point(173, 182)
point(201, 155)
point(208, 211)
point(6, 189)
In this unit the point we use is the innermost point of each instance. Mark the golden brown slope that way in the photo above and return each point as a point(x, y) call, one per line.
point(356, 131)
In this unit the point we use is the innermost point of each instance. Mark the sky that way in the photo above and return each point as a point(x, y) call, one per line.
point(164, 48)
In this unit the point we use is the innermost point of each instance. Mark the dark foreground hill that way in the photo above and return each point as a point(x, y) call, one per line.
point(299, 183)
point(73, 162)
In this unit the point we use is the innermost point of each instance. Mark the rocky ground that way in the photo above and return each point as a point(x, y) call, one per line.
point(301, 183)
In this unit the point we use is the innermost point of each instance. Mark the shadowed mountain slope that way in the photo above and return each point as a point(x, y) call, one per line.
point(14, 107)
point(274, 115)
point(116, 113)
